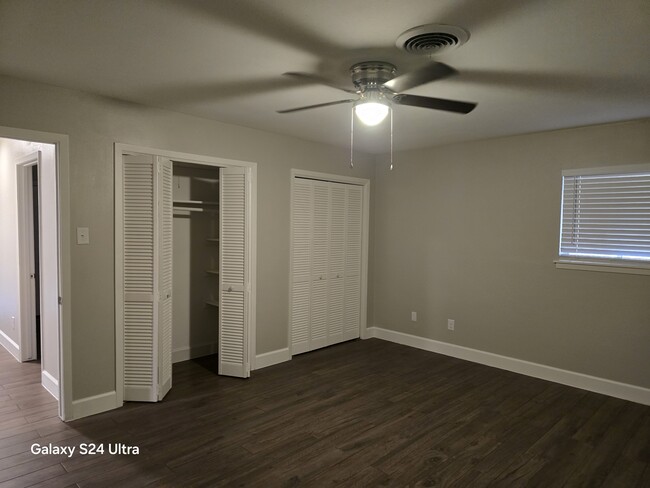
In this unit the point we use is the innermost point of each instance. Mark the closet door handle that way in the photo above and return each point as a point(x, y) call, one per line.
point(229, 289)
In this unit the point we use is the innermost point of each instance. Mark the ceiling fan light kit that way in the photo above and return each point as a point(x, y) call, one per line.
point(371, 113)
point(368, 78)
point(372, 109)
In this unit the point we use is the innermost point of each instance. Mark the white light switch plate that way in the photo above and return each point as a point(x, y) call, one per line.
point(83, 235)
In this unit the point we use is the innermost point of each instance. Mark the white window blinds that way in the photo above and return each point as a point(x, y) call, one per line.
point(606, 213)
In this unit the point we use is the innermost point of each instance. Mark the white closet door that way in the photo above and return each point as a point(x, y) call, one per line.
point(326, 230)
point(140, 288)
point(319, 265)
point(147, 217)
point(233, 274)
point(301, 241)
point(336, 271)
point(352, 286)
point(165, 265)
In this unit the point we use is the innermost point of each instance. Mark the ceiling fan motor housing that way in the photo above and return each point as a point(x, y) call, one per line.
point(372, 74)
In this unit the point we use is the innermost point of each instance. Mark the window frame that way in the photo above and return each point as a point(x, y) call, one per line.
point(592, 263)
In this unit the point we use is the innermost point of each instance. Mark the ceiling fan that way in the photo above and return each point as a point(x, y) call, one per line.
point(378, 88)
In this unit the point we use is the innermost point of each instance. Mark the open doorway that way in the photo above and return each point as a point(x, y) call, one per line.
point(35, 248)
point(29, 248)
point(29, 255)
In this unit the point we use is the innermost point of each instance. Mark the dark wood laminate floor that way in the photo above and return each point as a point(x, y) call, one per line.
point(364, 413)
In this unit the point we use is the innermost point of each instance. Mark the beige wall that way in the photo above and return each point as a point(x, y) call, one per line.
point(9, 275)
point(94, 124)
point(470, 231)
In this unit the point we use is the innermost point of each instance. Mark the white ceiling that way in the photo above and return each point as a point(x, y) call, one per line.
point(531, 65)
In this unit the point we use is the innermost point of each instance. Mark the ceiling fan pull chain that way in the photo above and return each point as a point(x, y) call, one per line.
point(391, 139)
point(352, 138)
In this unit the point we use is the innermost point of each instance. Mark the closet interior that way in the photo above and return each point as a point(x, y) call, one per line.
point(195, 328)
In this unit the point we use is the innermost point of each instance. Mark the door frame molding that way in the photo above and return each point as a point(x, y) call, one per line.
point(62, 145)
point(26, 252)
point(365, 234)
point(119, 150)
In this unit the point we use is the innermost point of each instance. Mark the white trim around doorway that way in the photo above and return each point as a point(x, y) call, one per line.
point(62, 143)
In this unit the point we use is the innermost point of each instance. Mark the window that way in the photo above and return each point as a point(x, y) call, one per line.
point(606, 216)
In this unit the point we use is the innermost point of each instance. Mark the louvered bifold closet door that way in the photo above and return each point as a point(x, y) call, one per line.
point(325, 284)
point(301, 241)
point(336, 271)
point(165, 266)
point(233, 276)
point(139, 274)
point(353, 240)
point(319, 265)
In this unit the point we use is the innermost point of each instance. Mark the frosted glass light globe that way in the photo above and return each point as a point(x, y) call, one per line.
point(371, 113)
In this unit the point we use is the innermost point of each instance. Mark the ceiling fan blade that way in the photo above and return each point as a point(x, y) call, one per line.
point(434, 103)
point(297, 109)
point(430, 72)
point(309, 78)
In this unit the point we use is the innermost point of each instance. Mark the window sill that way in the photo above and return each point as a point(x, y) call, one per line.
point(603, 266)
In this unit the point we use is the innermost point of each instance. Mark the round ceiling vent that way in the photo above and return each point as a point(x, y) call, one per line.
point(431, 38)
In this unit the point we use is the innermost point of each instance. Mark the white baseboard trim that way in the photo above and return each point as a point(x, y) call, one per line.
point(191, 352)
point(50, 383)
point(578, 380)
point(8, 343)
point(94, 404)
point(273, 357)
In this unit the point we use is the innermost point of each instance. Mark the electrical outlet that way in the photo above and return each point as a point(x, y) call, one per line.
point(414, 316)
point(451, 324)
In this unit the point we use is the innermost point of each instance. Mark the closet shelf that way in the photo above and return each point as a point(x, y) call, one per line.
point(212, 303)
point(212, 271)
point(206, 180)
point(194, 202)
point(212, 239)
point(187, 209)
point(188, 202)
point(195, 209)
